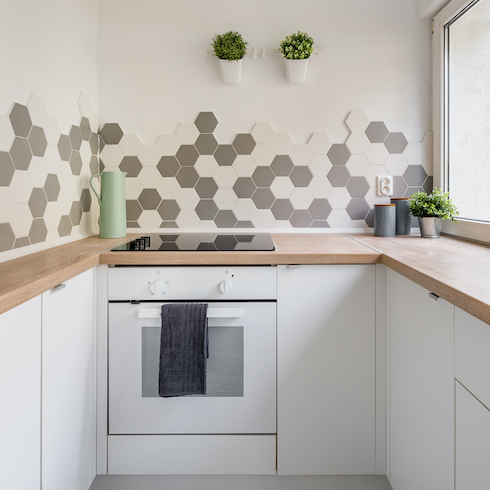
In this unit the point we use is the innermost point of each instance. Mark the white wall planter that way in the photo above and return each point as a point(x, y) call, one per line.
point(296, 70)
point(231, 71)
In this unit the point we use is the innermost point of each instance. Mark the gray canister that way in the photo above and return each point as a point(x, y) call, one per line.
point(384, 219)
point(403, 215)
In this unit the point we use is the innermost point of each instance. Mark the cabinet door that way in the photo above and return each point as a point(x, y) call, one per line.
point(20, 397)
point(326, 370)
point(68, 389)
point(472, 441)
point(421, 335)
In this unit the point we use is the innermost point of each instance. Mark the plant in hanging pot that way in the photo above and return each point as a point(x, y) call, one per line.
point(230, 48)
point(431, 209)
point(296, 49)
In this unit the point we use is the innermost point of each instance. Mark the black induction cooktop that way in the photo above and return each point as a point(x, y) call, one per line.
point(200, 242)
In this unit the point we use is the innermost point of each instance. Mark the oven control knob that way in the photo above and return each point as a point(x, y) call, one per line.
point(156, 287)
point(226, 286)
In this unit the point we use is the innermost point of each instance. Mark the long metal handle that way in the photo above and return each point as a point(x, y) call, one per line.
point(212, 313)
point(57, 288)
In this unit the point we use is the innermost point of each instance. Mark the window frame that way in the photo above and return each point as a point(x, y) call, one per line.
point(473, 230)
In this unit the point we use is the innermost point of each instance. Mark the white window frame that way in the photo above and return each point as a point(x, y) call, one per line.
point(473, 230)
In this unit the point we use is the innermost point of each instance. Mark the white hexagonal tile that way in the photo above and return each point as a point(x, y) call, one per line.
point(52, 159)
point(301, 198)
point(37, 172)
point(7, 204)
point(415, 153)
point(358, 143)
point(52, 215)
point(357, 121)
point(168, 144)
point(168, 188)
point(282, 143)
point(225, 198)
point(21, 186)
point(373, 172)
point(263, 218)
point(111, 155)
point(339, 198)
point(396, 164)
point(37, 110)
point(377, 154)
point(66, 177)
point(263, 154)
point(372, 198)
point(85, 108)
point(149, 177)
point(52, 130)
point(428, 164)
point(428, 142)
point(244, 165)
point(225, 177)
point(85, 153)
point(320, 187)
point(319, 143)
point(339, 218)
point(282, 224)
point(301, 154)
point(358, 223)
point(320, 165)
point(7, 135)
point(130, 144)
point(188, 198)
point(65, 200)
point(149, 156)
point(282, 187)
point(133, 188)
point(187, 133)
point(187, 218)
point(149, 218)
point(262, 133)
point(357, 165)
point(206, 165)
point(22, 221)
point(244, 209)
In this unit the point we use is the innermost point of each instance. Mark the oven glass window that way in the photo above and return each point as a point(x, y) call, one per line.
point(224, 366)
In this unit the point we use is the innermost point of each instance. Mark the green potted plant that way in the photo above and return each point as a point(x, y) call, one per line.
point(230, 48)
point(431, 209)
point(297, 49)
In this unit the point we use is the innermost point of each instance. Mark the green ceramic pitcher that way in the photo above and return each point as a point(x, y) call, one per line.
point(112, 200)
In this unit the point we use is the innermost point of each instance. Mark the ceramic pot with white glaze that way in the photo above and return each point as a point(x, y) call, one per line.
point(231, 71)
point(296, 70)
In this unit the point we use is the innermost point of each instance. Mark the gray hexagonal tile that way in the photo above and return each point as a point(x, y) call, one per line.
point(187, 177)
point(369, 219)
point(38, 231)
point(377, 132)
point(168, 166)
point(75, 136)
point(7, 237)
point(94, 143)
point(187, 155)
point(319, 224)
point(165, 224)
point(168, 209)
point(133, 210)
point(206, 187)
point(338, 176)
point(225, 155)
point(65, 226)
point(357, 208)
point(22, 242)
point(358, 186)
point(320, 209)
point(94, 165)
point(282, 209)
point(244, 224)
point(412, 190)
point(37, 202)
point(206, 122)
point(428, 185)
point(76, 162)
point(206, 144)
point(85, 129)
point(301, 218)
point(37, 141)
point(244, 144)
point(244, 187)
point(415, 175)
point(52, 187)
point(76, 213)
point(225, 219)
point(64, 147)
point(206, 209)
point(301, 176)
point(338, 154)
point(131, 165)
point(396, 143)
point(20, 152)
point(263, 198)
point(399, 186)
point(263, 176)
point(111, 133)
point(7, 169)
point(85, 200)
point(282, 165)
point(20, 120)
point(149, 199)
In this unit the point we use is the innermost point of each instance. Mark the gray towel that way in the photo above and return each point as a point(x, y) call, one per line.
point(183, 350)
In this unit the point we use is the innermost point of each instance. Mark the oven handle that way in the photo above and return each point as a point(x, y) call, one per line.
point(212, 313)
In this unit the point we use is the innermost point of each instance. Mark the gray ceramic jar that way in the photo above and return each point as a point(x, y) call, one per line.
point(384, 220)
point(403, 215)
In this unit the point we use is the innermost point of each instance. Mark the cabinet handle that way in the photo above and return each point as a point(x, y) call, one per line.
point(433, 296)
point(57, 288)
point(294, 266)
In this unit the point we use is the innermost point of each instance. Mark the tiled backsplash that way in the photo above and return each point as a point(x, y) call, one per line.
point(263, 179)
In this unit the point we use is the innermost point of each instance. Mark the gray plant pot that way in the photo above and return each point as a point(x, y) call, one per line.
point(430, 227)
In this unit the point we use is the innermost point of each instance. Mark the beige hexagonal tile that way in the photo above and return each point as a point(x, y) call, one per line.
point(282, 143)
point(133, 188)
point(149, 156)
point(187, 133)
point(320, 165)
point(244, 165)
point(37, 172)
point(357, 143)
point(168, 144)
point(339, 198)
point(187, 198)
point(21, 186)
point(131, 145)
point(206, 166)
point(396, 164)
point(149, 177)
point(301, 198)
point(319, 143)
point(263, 132)
point(415, 153)
point(320, 187)
point(7, 135)
point(23, 220)
point(373, 172)
point(428, 142)
point(244, 209)
point(225, 198)
point(377, 154)
point(339, 218)
point(225, 177)
point(282, 187)
point(52, 159)
point(168, 188)
point(111, 155)
point(187, 218)
point(263, 218)
point(357, 121)
point(7, 204)
point(263, 155)
point(301, 154)
point(149, 219)
point(358, 165)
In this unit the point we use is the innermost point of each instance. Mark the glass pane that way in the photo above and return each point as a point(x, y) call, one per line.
point(468, 122)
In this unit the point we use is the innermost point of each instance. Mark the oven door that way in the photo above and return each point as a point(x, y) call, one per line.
point(241, 373)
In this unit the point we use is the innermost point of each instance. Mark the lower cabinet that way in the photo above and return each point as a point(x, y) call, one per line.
point(326, 370)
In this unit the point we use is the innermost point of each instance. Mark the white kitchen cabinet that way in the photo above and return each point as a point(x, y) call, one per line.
point(421, 400)
point(68, 385)
point(20, 396)
point(326, 369)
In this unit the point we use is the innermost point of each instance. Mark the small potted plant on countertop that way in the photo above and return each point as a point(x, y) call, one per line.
point(296, 49)
point(431, 209)
point(230, 48)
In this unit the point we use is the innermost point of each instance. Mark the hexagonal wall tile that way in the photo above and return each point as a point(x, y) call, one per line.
point(301, 154)
point(38, 231)
point(37, 172)
point(64, 147)
point(396, 143)
point(21, 153)
point(396, 164)
point(301, 218)
point(320, 186)
point(377, 132)
point(301, 176)
point(187, 133)
point(282, 209)
point(415, 175)
point(206, 122)
point(65, 226)
point(357, 187)
point(263, 176)
point(339, 197)
point(415, 153)
point(282, 143)
point(37, 141)
point(20, 120)
point(399, 186)
point(187, 155)
point(187, 177)
point(358, 165)
point(75, 136)
point(357, 143)
point(85, 200)
point(6, 168)
point(225, 218)
point(263, 154)
point(149, 199)
point(22, 221)
point(169, 187)
point(339, 218)
point(244, 165)
point(133, 210)
point(7, 134)
point(21, 187)
point(168, 209)
point(357, 121)
point(168, 144)
point(206, 166)
point(263, 198)
point(131, 165)
point(320, 209)
point(244, 144)
point(111, 133)
point(76, 162)
point(206, 187)
point(282, 165)
point(206, 144)
point(301, 198)
point(320, 165)
point(111, 156)
point(187, 198)
point(377, 154)
point(130, 144)
point(37, 202)
point(206, 209)
point(263, 218)
point(150, 177)
point(225, 155)
point(85, 129)
point(338, 154)
point(7, 237)
point(319, 143)
point(357, 209)
point(225, 177)
point(225, 198)
point(262, 133)
point(244, 187)
point(244, 209)
point(76, 213)
point(282, 187)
